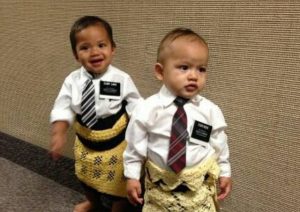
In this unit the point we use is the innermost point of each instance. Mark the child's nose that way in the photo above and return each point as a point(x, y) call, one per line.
point(193, 74)
point(95, 51)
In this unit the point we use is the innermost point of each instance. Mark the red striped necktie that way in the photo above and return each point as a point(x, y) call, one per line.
point(179, 135)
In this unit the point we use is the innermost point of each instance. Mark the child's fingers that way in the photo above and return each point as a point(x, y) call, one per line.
point(225, 188)
point(134, 198)
point(55, 149)
point(222, 195)
point(134, 191)
point(130, 199)
point(54, 155)
point(137, 199)
point(139, 190)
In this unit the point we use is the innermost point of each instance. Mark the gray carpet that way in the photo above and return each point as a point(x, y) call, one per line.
point(22, 190)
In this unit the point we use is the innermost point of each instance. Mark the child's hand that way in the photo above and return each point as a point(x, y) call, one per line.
point(58, 139)
point(134, 191)
point(225, 185)
point(56, 146)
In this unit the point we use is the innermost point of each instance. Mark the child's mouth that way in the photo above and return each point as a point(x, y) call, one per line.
point(191, 87)
point(96, 62)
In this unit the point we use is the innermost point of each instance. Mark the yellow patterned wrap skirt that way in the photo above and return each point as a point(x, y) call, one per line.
point(200, 196)
point(101, 170)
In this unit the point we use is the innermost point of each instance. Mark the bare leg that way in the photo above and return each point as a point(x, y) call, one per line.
point(84, 206)
point(88, 204)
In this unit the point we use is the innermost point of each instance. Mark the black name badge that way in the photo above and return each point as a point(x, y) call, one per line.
point(201, 131)
point(110, 88)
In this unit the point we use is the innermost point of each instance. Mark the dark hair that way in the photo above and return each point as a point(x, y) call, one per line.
point(85, 22)
point(173, 35)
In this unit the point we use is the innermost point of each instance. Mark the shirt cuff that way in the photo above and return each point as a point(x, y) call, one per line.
point(225, 170)
point(132, 171)
point(62, 115)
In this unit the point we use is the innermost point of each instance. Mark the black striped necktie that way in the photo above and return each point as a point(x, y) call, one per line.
point(179, 135)
point(88, 115)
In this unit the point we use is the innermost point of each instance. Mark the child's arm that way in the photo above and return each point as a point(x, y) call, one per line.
point(135, 152)
point(61, 117)
point(134, 191)
point(225, 185)
point(58, 138)
point(219, 142)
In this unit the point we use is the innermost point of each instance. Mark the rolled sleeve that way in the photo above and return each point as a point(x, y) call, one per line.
point(225, 169)
point(62, 110)
point(132, 170)
point(219, 142)
point(62, 115)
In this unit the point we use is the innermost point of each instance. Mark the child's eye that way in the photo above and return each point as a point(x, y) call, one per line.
point(83, 48)
point(183, 67)
point(202, 69)
point(101, 45)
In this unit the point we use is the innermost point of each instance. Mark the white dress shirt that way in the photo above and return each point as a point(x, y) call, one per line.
point(68, 101)
point(149, 130)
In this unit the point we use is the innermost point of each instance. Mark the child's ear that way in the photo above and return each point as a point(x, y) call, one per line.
point(159, 71)
point(113, 51)
point(75, 55)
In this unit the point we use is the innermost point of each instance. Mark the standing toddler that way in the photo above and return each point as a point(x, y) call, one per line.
point(96, 99)
point(178, 135)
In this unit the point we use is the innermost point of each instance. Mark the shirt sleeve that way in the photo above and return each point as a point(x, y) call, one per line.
point(219, 143)
point(136, 150)
point(132, 96)
point(62, 107)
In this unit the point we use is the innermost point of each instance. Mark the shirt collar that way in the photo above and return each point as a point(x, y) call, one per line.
point(86, 75)
point(167, 97)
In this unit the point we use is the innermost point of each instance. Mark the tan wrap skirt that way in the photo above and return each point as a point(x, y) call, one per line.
point(200, 183)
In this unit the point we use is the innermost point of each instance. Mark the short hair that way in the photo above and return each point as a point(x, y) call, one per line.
point(173, 35)
point(85, 22)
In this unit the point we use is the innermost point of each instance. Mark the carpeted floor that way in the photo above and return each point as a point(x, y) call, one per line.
point(22, 190)
point(30, 181)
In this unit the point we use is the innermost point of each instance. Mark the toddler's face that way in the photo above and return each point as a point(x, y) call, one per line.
point(94, 49)
point(184, 67)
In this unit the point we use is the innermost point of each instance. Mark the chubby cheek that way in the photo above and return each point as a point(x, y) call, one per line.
point(81, 58)
point(173, 81)
point(201, 85)
point(203, 81)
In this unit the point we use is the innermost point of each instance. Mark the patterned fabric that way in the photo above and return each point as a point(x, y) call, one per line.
point(99, 136)
point(164, 188)
point(101, 170)
point(88, 104)
point(179, 134)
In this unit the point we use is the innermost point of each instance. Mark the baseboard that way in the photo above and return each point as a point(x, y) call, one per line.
point(37, 159)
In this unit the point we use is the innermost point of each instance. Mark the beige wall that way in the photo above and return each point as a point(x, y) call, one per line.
point(253, 75)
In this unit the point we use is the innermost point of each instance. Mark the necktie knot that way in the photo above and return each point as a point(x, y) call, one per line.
point(179, 101)
point(91, 76)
